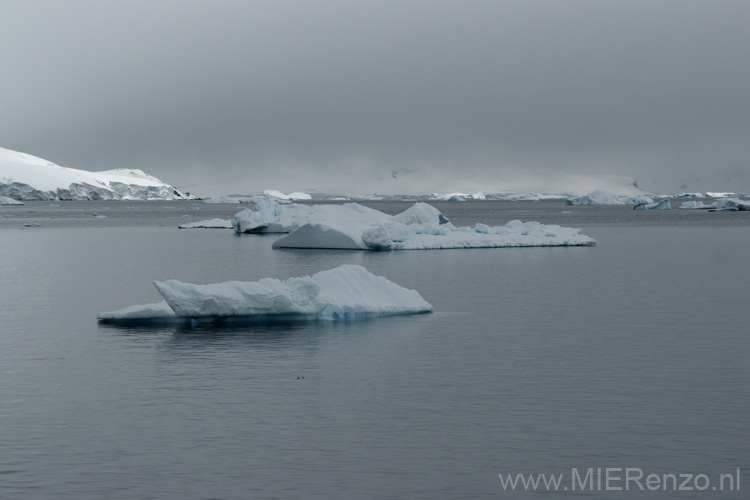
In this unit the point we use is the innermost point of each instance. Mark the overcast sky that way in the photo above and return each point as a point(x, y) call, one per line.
point(349, 96)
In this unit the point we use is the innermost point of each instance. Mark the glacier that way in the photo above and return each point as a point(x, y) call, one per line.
point(26, 177)
point(343, 293)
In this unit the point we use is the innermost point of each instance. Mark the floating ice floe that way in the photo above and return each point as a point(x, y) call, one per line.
point(720, 205)
point(208, 224)
point(662, 205)
point(601, 197)
point(696, 205)
point(343, 293)
point(353, 227)
point(530, 197)
point(479, 195)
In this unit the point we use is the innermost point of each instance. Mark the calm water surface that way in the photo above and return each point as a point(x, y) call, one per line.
point(633, 353)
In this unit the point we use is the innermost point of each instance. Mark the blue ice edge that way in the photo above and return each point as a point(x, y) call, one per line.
point(264, 319)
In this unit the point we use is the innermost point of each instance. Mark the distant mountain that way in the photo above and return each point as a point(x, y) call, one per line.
point(27, 177)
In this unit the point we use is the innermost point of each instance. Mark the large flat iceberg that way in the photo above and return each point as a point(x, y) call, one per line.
point(427, 236)
point(421, 227)
point(345, 292)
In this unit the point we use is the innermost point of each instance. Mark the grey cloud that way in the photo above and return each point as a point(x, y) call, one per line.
point(297, 95)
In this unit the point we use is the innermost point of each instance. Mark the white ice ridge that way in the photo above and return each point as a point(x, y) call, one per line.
point(345, 292)
point(601, 197)
point(208, 224)
point(26, 177)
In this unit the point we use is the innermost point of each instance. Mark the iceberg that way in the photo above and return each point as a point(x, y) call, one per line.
point(730, 205)
point(343, 293)
point(720, 205)
point(207, 224)
point(290, 196)
point(429, 236)
point(601, 197)
point(27, 177)
point(354, 227)
point(269, 216)
point(530, 197)
point(662, 205)
point(6, 201)
point(696, 205)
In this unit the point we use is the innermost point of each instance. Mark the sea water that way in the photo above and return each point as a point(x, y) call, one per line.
point(628, 355)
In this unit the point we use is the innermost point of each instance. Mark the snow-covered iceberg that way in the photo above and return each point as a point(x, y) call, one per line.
point(291, 196)
point(662, 205)
point(428, 236)
point(696, 205)
point(27, 177)
point(345, 292)
point(354, 227)
point(269, 216)
point(720, 205)
point(601, 197)
point(6, 201)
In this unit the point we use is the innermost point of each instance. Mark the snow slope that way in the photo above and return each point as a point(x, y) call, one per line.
point(27, 177)
point(345, 292)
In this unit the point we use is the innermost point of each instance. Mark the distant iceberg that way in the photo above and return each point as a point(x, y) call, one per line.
point(290, 196)
point(27, 177)
point(421, 227)
point(208, 224)
point(696, 205)
point(531, 197)
point(6, 201)
point(662, 205)
point(720, 205)
point(343, 293)
point(601, 197)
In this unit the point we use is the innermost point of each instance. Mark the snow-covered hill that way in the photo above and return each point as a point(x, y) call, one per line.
point(27, 177)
